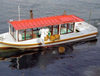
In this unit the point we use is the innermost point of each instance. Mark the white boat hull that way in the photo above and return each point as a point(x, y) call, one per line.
point(86, 31)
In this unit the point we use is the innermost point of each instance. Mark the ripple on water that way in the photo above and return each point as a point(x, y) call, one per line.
point(92, 71)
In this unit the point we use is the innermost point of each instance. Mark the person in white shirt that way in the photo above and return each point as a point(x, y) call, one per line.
point(43, 32)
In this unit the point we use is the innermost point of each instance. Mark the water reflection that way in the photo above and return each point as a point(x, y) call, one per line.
point(29, 58)
point(24, 62)
point(92, 71)
point(93, 42)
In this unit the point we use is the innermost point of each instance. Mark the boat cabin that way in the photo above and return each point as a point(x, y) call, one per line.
point(29, 29)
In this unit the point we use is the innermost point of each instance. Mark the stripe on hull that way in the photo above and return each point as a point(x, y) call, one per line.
point(7, 45)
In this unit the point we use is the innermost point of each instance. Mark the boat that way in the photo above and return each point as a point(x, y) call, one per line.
point(46, 31)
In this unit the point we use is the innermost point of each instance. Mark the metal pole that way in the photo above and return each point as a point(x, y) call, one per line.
point(90, 13)
point(19, 10)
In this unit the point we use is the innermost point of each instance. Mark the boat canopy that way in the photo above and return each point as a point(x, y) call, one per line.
point(44, 21)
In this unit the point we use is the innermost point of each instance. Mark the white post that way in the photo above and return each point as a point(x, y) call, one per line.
point(74, 27)
point(9, 28)
point(16, 35)
point(59, 28)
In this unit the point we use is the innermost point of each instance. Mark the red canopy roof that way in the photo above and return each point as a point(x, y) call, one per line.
point(44, 21)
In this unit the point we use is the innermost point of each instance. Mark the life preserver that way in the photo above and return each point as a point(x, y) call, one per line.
point(54, 37)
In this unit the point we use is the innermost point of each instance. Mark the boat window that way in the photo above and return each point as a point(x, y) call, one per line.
point(50, 30)
point(28, 34)
point(21, 34)
point(55, 29)
point(36, 32)
point(70, 27)
point(13, 32)
point(63, 29)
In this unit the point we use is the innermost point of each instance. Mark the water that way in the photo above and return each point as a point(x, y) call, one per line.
point(80, 59)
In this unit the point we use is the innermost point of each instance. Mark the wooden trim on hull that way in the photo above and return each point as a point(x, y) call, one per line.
point(72, 38)
point(30, 45)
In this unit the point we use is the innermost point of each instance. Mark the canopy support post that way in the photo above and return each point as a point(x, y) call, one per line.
point(74, 28)
point(9, 28)
point(16, 35)
point(59, 28)
point(51, 30)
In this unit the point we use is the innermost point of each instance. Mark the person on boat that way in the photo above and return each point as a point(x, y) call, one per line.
point(43, 33)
